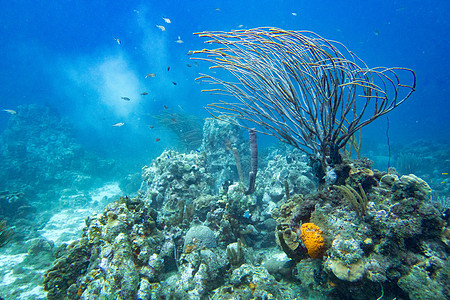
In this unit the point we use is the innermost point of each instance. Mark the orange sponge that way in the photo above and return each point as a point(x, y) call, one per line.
point(312, 238)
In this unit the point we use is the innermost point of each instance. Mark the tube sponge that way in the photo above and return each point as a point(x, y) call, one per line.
point(312, 238)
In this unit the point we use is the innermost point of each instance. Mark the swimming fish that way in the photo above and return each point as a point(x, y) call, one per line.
point(167, 20)
point(157, 139)
point(189, 65)
point(179, 40)
point(151, 126)
point(10, 111)
point(125, 98)
point(150, 75)
point(168, 68)
point(294, 14)
point(174, 83)
point(165, 107)
point(161, 27)
point(120, 124)
point(445, 173)
point(118, 41)
point(144, 93)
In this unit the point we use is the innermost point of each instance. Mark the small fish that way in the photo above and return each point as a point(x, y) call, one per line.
point(196, 63)
point(10, 111)
point(144, 93)
point(150, 75)
point(118, 41)
point(445, 173)
point(151, 126)
point(125, 98)
point(157, 139)
point(161, 27)
point(179, 40)
point(240, 26)
point(188, 65)
point(167, 20)
point(168, 68)
point(217, 9)
point(294, 14)
point(120, 124)
point(165, 107)
point(174, 83)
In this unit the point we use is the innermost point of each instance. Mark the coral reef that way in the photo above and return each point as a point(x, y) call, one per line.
point(39, 144)
point(395, 242)
point(119, 249)
point(175, 178)
point(193, 233)
point(227, 151)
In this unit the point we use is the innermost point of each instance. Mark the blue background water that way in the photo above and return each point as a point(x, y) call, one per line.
point(63, 54)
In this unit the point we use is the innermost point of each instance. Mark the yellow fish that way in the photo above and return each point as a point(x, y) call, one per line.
point(120, 124)
point(150, 75)
point(444, 173)
point(118, 41)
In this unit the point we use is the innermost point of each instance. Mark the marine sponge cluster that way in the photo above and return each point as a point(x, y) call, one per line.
point(312, 238)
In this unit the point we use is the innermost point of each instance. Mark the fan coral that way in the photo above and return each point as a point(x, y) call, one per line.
point(311, 236)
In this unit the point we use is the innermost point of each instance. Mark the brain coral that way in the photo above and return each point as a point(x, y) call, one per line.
point(312, 238)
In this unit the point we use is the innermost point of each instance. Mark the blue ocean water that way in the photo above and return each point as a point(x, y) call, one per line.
point(66, 56)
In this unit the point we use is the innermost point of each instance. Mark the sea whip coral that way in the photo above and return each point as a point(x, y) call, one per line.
point(309, 92)
point(312, 238)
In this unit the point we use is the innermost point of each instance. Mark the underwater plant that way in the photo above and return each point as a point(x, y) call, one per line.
point(187, 128)
point(307, 91)
point(5, 233)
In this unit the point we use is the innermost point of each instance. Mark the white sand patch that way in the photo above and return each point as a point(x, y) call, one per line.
point(66, 225)
point(36, 293)
point(7, 264)
point(109, 190)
